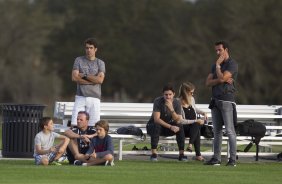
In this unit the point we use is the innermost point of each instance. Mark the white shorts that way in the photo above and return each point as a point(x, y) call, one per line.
point(88, 104)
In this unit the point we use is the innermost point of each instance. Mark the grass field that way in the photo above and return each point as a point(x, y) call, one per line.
point(143, 172)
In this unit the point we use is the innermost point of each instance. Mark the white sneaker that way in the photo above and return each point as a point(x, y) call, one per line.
point(109, 163)
point(63, 159)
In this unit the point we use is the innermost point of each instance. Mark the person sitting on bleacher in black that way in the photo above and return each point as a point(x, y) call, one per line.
point(191, 123)
point(165, 121)
point(80, 136)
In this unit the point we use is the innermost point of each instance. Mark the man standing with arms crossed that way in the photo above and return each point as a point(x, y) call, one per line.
point(89, 73)
point(223, 107)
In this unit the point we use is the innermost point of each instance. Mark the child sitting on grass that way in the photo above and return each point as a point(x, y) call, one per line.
point(101, 148)
point(45, 152)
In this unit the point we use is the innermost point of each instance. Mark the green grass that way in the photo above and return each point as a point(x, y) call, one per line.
point(143, 172)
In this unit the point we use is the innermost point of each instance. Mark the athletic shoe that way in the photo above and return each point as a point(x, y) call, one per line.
point(63, 160)
point(154, 157)
point(231, 163)
point(183, 158)
point(55, 163)
point(213, 161)
point(77, 163)
point(109, 163)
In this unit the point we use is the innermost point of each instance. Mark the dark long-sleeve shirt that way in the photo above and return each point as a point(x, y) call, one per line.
point(101, 146)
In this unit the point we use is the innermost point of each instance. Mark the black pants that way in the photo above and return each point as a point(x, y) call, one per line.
point(193, 132)
point(156, 130)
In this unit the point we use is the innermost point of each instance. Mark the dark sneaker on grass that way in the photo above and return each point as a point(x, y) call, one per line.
point(213, 161)
point(77, 163)
point(154, 157)
point(182, 158)
point(231, 163)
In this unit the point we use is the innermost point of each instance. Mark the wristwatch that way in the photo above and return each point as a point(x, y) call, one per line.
point(84, 76)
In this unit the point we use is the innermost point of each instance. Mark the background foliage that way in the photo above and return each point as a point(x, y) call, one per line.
point(145, 44)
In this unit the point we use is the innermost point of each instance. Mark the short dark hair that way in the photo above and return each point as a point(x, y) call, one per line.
point(168, 87)
point(86, 114)
point(91, 41)
point(224, 44)
point(43, 122)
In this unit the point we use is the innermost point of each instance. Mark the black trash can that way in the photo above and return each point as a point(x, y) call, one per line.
point(20, 125)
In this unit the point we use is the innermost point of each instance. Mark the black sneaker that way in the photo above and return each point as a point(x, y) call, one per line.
point(213, 161)
point(183, 158)
point(154, 157)
point(77, 163)
point(134, 148)
point(231, 163)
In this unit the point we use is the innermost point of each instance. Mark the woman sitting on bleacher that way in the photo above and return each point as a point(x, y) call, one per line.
point(191, 123)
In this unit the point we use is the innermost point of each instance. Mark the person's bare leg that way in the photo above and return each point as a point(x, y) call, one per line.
point(44, 160)
point(81, 157)
point(62, 146)
point(73, 146)
point(154, 151)
point(98, 161)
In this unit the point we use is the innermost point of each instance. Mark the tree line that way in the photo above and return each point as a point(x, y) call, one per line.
point(144, 43)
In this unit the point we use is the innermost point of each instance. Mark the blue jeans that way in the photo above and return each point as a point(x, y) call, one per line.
point(222, 114)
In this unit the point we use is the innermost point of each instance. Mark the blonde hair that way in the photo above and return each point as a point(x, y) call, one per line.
point(183, 92)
